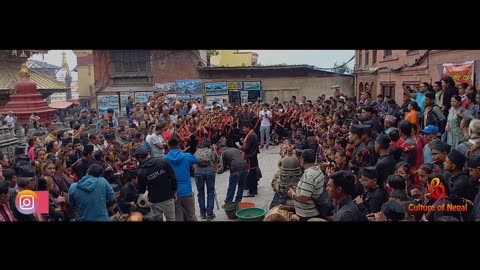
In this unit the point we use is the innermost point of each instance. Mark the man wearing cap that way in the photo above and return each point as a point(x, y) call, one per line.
point(459, 182)
point(84, 119)
point(354, 138)
point(391, 211)
point(368, 139)
point(11, 177)
point(371, 201)
point(433, 115)
point(473, 164)
point(440, 151)
point(406, 134)
point(386, 163)
point(430, 133)
point(369, 114)
point(25, 181)
point(81, 166)
point(6, 214)
point(158, 177)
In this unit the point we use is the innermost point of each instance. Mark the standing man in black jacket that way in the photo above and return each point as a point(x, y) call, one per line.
point(250, 149)
point(157, 175)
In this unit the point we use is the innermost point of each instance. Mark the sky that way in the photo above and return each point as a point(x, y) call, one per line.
point(318, 58)
point(54, 57)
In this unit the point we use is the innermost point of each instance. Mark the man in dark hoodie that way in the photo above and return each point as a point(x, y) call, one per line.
point(181, 163)
point(90, 195)
point(157, 175)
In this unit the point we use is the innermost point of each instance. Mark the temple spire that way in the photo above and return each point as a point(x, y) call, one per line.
point(24, 74)
point(64, 60)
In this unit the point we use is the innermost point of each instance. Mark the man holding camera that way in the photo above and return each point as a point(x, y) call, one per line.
point(266, 116)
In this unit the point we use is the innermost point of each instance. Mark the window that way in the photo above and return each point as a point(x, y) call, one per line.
point(359, 58)
point(374, 57)
point(130, 62)
point(388, 90)
point(367, 54)
point(387, 54)
point(410, 52)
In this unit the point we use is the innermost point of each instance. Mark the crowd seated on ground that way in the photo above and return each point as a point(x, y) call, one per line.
point(365, 160)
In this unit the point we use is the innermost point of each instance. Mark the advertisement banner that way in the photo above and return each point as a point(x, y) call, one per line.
point(215, 88)
point(189, 87)
point(143, 97)
point(234, 85)
point(108, 101)
point(460, 72)
point(247, 86)
point(168, 87)
point(216, 99)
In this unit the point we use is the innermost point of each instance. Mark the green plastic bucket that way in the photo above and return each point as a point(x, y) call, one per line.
point(251, 214)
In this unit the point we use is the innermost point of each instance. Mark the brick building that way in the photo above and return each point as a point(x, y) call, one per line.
point(130, 71)
point(384, 71)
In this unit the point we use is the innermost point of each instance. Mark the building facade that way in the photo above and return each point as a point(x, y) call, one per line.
point(384, 71)
point(86, 77)
point(233, 58)
point(284, 81)
point(130, 71)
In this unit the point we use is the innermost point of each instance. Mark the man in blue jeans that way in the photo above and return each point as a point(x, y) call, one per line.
point(205, 176)
point(233, 159)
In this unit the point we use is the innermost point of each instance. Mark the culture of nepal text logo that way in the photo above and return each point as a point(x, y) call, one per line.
point(437, 189)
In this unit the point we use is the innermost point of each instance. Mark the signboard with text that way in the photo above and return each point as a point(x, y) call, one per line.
point(460, 72)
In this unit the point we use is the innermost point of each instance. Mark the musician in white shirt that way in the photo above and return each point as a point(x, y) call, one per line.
point(266, 116)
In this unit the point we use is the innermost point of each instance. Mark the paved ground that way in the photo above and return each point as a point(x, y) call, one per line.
point(268, 160)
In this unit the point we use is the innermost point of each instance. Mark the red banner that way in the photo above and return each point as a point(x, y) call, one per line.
point(460, 73)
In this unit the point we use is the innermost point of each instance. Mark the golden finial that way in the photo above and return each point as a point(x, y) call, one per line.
point(24, 74)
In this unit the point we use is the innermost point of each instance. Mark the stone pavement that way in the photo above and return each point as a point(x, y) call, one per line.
point(268, 160)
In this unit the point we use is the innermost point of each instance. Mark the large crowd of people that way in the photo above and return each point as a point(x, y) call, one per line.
point(370, 159)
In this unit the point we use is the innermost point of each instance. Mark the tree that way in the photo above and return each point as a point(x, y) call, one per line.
point(211, 53)
point(341, 68)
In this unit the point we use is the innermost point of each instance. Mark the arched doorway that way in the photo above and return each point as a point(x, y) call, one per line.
point(367, 87)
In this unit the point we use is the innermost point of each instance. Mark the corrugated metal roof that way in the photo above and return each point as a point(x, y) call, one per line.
point(273, 67)
point(8, 77)
point(60, 104)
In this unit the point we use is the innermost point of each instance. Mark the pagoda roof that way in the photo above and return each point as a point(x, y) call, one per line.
point(40, 64)
point(9, 75)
